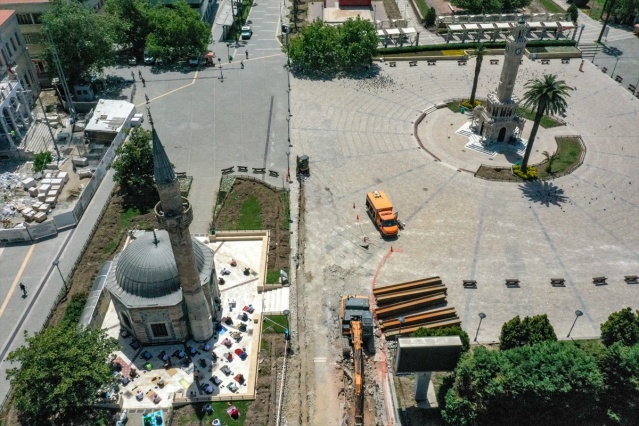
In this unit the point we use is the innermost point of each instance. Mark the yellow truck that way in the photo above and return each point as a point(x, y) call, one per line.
point(380, 210)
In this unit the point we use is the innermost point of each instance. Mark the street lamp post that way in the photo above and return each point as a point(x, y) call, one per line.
point(56, 263)
point(481, 318)
point(401, 320)
point(612, 74)
point(287, 333)
point(578, 313)
point(228, 51)
point(580, 32)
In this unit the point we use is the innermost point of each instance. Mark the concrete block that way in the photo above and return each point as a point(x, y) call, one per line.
point(28, 183)
point(64, 176)
point(44, 188)
point(46, 206)
point(56, 189)
point(50, 202)
point(40, 217)
point(84, 173)
point(57, 181)
point(46, 181)
point(81, 161)
point(33, 191)
point(52, 166)
point(51, 194)
point(42, 196)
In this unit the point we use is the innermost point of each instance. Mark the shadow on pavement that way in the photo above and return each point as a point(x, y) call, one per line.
point(543, 192)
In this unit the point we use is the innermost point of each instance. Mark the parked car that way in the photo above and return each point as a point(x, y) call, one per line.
point(247, 32)
point(148, 59)
point(132, 60)
point(194, 61)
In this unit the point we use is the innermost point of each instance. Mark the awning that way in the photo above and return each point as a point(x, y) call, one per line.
point(471, 27)
point(503, 25)
point(455, 27)
point(566, 25)
point(408, 31)
point(487, 26)
point(534, 24)
point(393, 31)
point(381, 33)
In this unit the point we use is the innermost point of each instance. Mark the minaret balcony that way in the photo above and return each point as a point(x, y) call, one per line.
point(180, 220)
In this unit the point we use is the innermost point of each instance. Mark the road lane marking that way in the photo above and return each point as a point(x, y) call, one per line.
point(17, 279)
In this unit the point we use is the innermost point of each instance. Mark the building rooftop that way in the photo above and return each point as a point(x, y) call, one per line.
point(5, 3)
point(109, 116)
point(5, 15)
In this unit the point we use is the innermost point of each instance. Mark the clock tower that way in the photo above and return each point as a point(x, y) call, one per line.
point(497, 121)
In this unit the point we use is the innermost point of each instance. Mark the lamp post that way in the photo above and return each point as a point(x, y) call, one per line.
point(612, 74)
point(228, 51)
point(288, 166)
point(481, 318)
point(56, 263)
point(287, 333)
point(375, 15)
point(401, 320)
point(580, 32)
point(578, 313)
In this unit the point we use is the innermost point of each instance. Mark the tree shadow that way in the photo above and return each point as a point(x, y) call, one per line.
point(612, 51)
point(543, 192)
point(364, 73)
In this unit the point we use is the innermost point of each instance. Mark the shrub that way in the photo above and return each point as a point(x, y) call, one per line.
point(574, 12)
point(580, 3)
point(466, 104)
point(530, 175)
point(431, 16)
point(41, 160)
point(530, 330)
point(622, 327)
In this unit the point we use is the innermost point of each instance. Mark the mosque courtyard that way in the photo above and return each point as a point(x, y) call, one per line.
point(222, 368)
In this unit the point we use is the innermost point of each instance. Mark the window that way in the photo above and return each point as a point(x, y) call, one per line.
point(17, 36)
point(13, 44)
point(8, 48)
point(159, 330)
point(24, 19)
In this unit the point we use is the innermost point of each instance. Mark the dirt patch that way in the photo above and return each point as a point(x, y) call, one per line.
point(107, 240)
point(273, 209)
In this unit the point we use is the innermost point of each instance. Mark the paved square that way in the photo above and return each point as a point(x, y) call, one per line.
point(358, 134)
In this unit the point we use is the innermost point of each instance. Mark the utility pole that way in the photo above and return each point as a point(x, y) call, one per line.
point(612, 5)
point(63, 79)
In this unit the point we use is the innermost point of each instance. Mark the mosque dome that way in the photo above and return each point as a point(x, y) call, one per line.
point(147, 269)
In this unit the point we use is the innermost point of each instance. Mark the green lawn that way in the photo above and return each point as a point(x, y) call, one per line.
point(422, 6)
point(269, 327)
point(273, 276)
point(250, 215)
point(551, 6)
point(546, 121)
point(569, 152)
point(594, 9)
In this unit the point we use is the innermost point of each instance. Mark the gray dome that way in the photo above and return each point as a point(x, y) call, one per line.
point(146, 268)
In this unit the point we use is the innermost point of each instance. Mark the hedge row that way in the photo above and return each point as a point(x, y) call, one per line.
point(470, 45)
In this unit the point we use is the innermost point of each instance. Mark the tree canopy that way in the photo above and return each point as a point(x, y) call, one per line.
point(620, 367)
point(530, 330)
point(134, 164)
point(546, 383)
point(622, 327)
point(490, 6)
point(326, 48)
point(61, 368)
point(165, 32)
point(82, 38)
point(625, 11)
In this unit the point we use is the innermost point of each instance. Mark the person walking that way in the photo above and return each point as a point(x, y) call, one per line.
point(242, 64)
point(24, 290)
point(132, 76)
point(139, 74)
point(143, 82)
point(246, 52)
point(146, 97)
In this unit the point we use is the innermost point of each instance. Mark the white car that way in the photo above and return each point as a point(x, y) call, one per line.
point(148, 59)
point(247, 32)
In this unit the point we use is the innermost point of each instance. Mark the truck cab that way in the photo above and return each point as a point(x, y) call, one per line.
point(380, 210)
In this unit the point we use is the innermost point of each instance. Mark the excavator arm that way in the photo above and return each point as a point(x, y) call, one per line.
point(358, 363)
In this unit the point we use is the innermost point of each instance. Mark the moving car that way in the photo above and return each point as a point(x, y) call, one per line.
point(247, 32)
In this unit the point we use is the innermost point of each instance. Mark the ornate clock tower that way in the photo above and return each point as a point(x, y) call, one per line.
point(497, 121)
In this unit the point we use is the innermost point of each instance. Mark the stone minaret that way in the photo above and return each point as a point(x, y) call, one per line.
point(174, 214)
point(497, 121)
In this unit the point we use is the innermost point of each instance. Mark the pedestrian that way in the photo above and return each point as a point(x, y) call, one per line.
point(143, 82)
point(146, 97)
point(246, 51)
point(24, 290)
point(242, 64)
point(132, 75)
point(139, 74)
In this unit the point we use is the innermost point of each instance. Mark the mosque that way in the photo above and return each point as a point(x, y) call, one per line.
point(163, 284)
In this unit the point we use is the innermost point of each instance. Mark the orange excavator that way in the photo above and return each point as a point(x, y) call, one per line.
point(357, 329)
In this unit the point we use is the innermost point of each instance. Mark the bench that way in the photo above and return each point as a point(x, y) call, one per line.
point(619, 79)
point(431, 62)
point(470, 283)
point(242, 169)
point(259, 170)
point(494, 62)
point(631, 279)
point(228, 170)
point(558, 282)
point(462, 62)
point(273, 173)
point(604, 70)
point(565, 61)
point(632, 88)
point(392, 63)
point(512, 282)
point(599, 280)
point(545, 61)
point(412, 63)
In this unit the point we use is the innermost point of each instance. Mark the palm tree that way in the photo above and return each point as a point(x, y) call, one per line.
point(480, 51)
point(550, 158)
point(545, 95)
